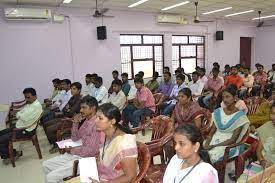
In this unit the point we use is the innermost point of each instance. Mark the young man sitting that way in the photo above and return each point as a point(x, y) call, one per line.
point(153, 84)
point(89, 81)
point(125, 84)
point(143, 105)
point(234, 78)
point(84, 128)
point(196, 86)
point(26, 120)
point(115, 77)
point(99, 91)
point(117, 98)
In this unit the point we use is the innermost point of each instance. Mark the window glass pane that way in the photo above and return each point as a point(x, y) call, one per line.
point(200, 63)
point(145, 66)
point(158, 53)
point(200, 51)
point(159, 67)
point(179, 39)
point(196, 39)
point(142, 52)
point(130, 39)
point(152, 39)
point(188, 51)
point(125, 54)
point(189, 64)
point(175, 58)
point(127, 68)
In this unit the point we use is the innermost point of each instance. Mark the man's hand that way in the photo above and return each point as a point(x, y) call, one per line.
point(68, 150)
point(77, 118)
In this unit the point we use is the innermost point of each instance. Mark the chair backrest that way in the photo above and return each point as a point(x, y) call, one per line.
point(206, 122)
point(144, 161)
point(253, 104)
point(161, 126)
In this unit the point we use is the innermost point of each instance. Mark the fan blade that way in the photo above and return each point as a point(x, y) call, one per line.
point(108, 16)
point(206, 21)
point(104, 10)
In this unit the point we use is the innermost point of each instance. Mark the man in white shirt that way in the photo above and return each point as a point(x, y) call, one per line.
point(26, 120)
point(99, 91)
point(271, 75)
point(196, 85)
point(89, 80)
point(118, 97)
point(168, 106)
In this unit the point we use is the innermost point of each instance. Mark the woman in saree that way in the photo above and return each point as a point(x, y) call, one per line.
point(229, 127)
point(117, 161)
point(187, 110)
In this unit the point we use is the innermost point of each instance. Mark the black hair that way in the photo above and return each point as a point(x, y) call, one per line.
point(216, 64)
point(196, 73)
point(203, 70)
point(215, 69)
point(112, 112)
point(90, 101)
point(115, 72)
point(88, 75)
point(273, 65)
point(138, 80)
point(187, 92)
point(181, 77)
point(117, 82)
point(99, 79)
point(166, 68)
point(227, 66)
point(141, 73)
point(94, 75)
point(56, 80)
point(178, 71)
point(232, 89)
point(29, 90)
point(77, 85)
point(156, 74)
point(194, 135)
point(168, 73)
point(124, 74)
point(67, 81)
point(234, 67)
point(260, 65)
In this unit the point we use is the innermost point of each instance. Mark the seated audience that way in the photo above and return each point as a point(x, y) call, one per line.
point(59, 101)
point(125, 84)
point(226, 71)
point(89, 81)
point(247, 84)
point(143, 105)
point(234, 78)
point(84, 128)
point(260, 80)
point(56, 87)
point(229, 127)
point(191, 164)
point(141, 74)
point(196, 85)
point(271, 76)
point(153, 84)
point(72, 108)
point(186, 110)
point(117, 98)
point(99, 91)
point(202, 75)
point(165, 87)
point(115, 75)
point(187, 76)
point(168, 106)
point(26, 119)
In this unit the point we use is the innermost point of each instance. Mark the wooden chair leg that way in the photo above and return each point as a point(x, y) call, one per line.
point(37, 147)
point(11, 155)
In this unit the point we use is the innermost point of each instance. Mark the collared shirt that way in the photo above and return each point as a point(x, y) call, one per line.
point(126, 88)
point(175, 92)
point(145, 95)
point(90, 137)
point(165, 88)
point(204, 79)
point(62, 99)
point(197, 87)
point(271, 76)
point(260, 78)
point(117, 99)
point(72, 107)
point(28, 115)
point(214, 84)
point(248, 81)
point(132, 93)
point(101, 94)
point(152, 85)
point(234, 79)
point(55, 92)
point(87, 90)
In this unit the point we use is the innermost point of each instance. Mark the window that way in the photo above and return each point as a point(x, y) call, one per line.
point(188, 52)
point(141, 53)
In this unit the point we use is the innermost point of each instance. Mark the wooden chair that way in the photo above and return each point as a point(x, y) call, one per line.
point(64, 131)
point(14, 108)
point(161, 132)
point(32, 138)
point(206, 123)
point(221, 165)
point(253, 104)
point(158, 100)
point(144, 159)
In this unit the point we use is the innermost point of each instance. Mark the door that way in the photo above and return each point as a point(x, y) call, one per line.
point(245, 51)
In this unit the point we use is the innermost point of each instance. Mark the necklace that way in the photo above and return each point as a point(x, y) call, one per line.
point(188, 172)
point(103, 151)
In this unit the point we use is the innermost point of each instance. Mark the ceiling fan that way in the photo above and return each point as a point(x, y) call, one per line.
point(196, 18)
point(100, 12)
point(261, 23)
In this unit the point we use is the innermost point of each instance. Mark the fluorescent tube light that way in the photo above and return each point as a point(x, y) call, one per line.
point(175, 5)
point(223, 9)
point(269, 16)
point(67, 1)
point(137, 3)
point(239, 13)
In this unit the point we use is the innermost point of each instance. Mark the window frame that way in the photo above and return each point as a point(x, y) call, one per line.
point(144, 44)
point(179, 45)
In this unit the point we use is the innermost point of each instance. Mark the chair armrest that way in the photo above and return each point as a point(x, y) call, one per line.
point(75, 167)
point(60, 133)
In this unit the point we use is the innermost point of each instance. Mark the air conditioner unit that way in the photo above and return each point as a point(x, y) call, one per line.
point(27, 14)
point(171, 19)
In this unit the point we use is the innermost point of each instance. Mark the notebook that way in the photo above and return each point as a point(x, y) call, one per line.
point(88, 169)
point(69, 143)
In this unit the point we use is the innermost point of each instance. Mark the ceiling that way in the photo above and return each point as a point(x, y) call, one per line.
point(266, 6)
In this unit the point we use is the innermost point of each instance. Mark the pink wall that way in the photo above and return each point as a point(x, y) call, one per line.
point(34, 53)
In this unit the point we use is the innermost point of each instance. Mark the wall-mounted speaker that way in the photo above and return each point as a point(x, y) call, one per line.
point(101, 33)
point(219, 35)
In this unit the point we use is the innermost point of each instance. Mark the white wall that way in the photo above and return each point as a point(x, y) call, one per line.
point(34, 53)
